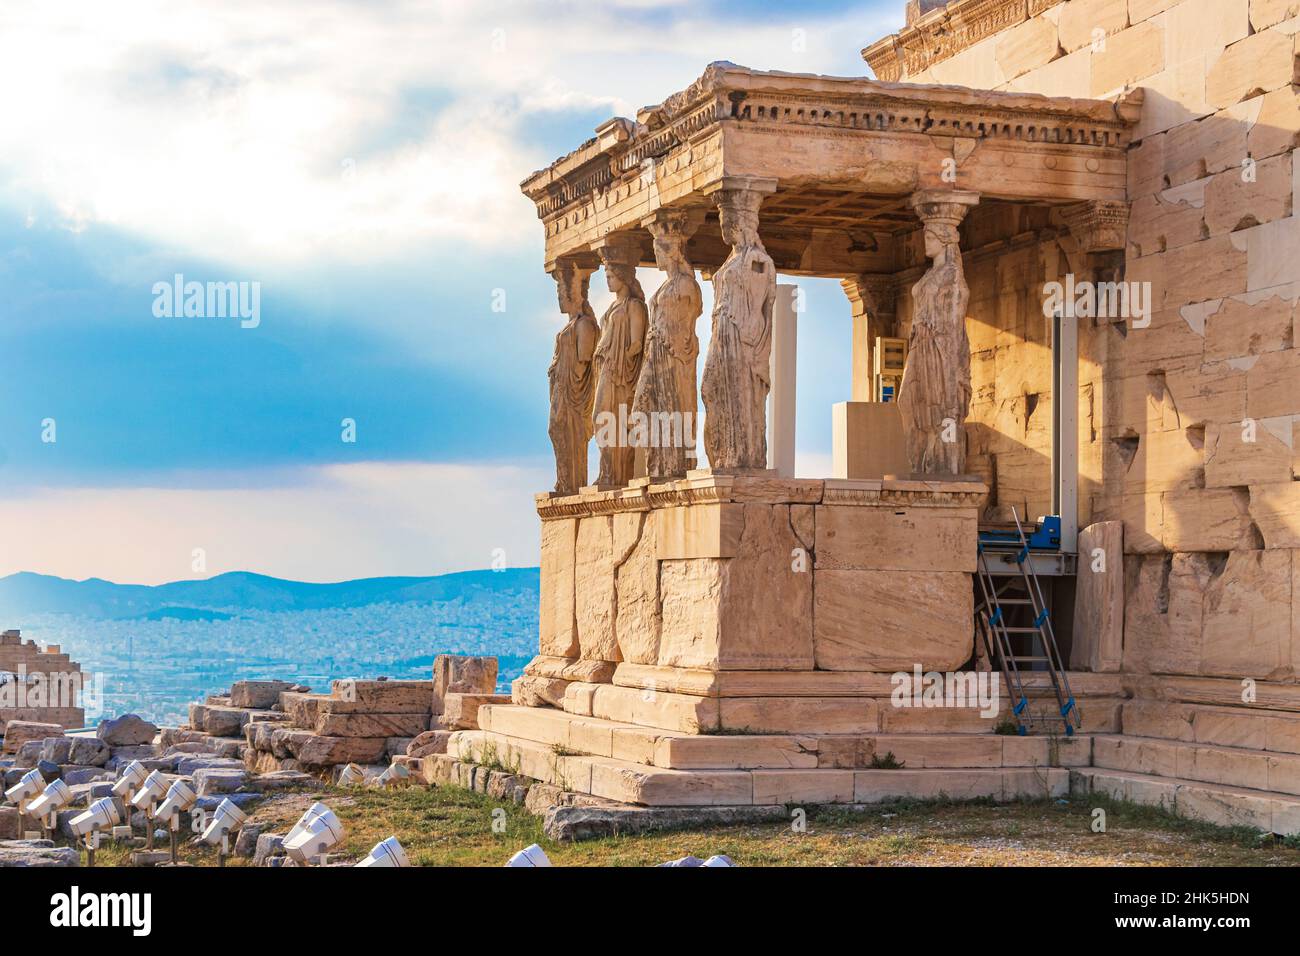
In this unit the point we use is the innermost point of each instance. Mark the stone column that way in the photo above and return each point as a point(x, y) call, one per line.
point(737, 371)
point(572, 376)
point(785, 346)
point(618, 360)
point(871, 298)
point(935, 393)
point(665, 398)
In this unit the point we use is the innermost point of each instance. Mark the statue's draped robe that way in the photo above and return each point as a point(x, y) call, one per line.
point(667, 381)
point(936, 382)
point(572, 397)
point(737, 373)
point(617, 369)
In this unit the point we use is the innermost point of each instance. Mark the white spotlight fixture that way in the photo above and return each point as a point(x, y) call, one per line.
point(530, 856)
point(46, 807)
point(27, 787)
point(102, 815)
point(351, 776)
point(313, 835)
point(179, 798)
point(227, 817)
point(395, 774)
point(146, 799)
point(129, 780)
point(386, 853)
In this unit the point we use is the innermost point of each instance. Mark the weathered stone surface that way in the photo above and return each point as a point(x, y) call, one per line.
point(528, 691)
point(269, 846)
point(891, 621)
point(1253, 65)
point(429, 742)
point(313, 750)
point(571, 669)
point(575, 823)
point(211, 780)
point(88, 751)
point(454, 674)
point(557, 625)
point(370, 725)
point(19, 732)
point(381, 697)
point(37, 853)
point(1098, 635)
point(637, 620)
point(1131, 55)
point(595, 593)
point(126, 731)
point(1211, 614)
point(257, 694)
point(217, 720)
point(895, 539)
point(461, 710)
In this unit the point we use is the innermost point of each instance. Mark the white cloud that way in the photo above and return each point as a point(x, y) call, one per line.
point(235, 129)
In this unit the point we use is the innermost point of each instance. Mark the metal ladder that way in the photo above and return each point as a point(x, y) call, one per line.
point(991, 621)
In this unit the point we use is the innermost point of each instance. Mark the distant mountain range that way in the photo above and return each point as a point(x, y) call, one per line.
point(29, 593)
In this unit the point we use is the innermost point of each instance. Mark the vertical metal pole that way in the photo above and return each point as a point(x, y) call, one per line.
point(1065, 433)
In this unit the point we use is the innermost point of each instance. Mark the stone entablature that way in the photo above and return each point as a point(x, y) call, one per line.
point(704, 487)
point(850, 134)
point(942, 33)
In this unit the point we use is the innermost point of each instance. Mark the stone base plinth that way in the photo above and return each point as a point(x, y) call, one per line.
point(749, 573)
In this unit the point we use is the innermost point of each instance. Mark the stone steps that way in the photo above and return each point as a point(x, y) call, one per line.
point(1206, 763)
point(1254, 729)
point(675, 750)
point(693, 714)
point(1220, 804)
point(629, 782)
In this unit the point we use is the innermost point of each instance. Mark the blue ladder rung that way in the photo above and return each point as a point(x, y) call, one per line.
point(997, 615)
point(1024, 702)
point(1041, 619)
point(1020, 558)
point(1065, 711)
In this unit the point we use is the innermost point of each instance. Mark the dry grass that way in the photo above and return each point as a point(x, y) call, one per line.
point(448, 826)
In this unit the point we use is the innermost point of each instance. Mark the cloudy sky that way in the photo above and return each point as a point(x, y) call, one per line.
point(361, 162)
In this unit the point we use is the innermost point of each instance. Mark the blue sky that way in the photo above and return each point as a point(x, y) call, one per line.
point(360, 161)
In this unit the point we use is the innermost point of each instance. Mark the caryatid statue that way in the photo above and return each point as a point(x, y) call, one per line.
point(737, 372)
point(573, 378)
point(618, 361)
point(934, 396)
point(665, 392)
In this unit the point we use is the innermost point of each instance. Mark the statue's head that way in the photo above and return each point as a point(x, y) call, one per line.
point(620, 258)
point(671, 228)
point(938, 237)
point(738, 216)
point(571, 287)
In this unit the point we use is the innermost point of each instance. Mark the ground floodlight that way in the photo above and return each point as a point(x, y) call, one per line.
point(55, 796)
point(394, 775)
point(351, 775)
point(133, 774)
point(720, 860)
point(317, 809)
point(30, 785)
point(102, 815)
point(316, 837)
point(179, 798)
point(386, 853)
point(154, 786)
point(530, 856)
point(227, 817)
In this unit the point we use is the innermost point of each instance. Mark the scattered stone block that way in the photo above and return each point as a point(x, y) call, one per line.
point(462, 675)
point(210, 780)
point(429, 742)
point(42, 853)
point(461, 710)
point(19, 732)
point(127, 730)
point(258, 694)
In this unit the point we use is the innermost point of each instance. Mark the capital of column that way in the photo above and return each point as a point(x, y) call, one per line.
point(572, 277)
point(873, 293)
point(943, 207)
point(619, 249)
point(674, 222)
point(1098, 225)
